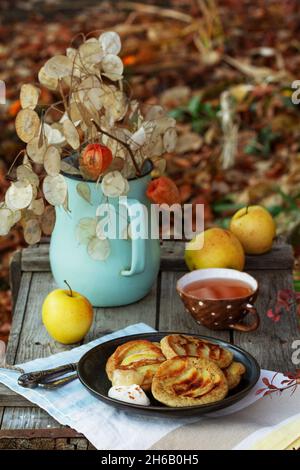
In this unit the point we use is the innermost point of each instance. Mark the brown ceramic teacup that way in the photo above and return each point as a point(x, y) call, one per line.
point(221, 313)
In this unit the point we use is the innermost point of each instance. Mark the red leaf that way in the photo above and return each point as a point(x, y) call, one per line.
point(265, 380)
point(270, 313)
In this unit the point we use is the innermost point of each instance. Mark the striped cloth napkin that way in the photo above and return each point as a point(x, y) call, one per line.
point(104, 426)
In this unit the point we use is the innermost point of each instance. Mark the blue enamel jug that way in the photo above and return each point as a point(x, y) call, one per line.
point(130, 270)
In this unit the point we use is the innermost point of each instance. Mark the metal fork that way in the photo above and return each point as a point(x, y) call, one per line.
point(44, 378)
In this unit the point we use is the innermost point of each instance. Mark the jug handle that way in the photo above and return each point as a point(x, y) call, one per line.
point(138, 242)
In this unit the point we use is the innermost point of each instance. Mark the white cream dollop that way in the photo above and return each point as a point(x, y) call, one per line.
point(129, 394)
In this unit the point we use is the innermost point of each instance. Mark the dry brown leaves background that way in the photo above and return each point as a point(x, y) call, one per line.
point(223, 69)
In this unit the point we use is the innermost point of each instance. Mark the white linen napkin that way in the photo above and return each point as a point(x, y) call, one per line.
point(104, 426)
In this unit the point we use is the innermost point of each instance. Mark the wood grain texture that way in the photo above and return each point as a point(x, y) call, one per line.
point(27, 418)
point(36, 258)
point(15, 274)
point(107, 320)
point(281, 257)
point(31, 339)
point(34, 339)
point(162, 308)
point(271, 344)
point(18, 318)
point(10, 398)
point(172, 314)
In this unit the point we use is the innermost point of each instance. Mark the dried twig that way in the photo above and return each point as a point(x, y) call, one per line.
point(127, 146)
point(7, 176)
point(156, 10)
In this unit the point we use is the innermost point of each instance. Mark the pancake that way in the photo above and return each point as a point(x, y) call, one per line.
point(184, 345)
point(234, 374)
point(141, 356)
point(188, 381)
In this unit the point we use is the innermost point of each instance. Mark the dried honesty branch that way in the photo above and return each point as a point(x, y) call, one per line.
point(25, 172)
point(104, 134)
point(32, 231)
point(112, 67)
point(55, 189)
point(110, 42)
point(86, 230)
point(48, 82)
point(19, 195)
point(114, 184)
point(84, 191)
point(58, 67)
point(52, 161)
point(69, 169)
point(53, 135)
point(5, 220)
point(37, 206)
point(89, 56)
point(36, 150)
point(27, 124)
point(71, 134)
point(170, 139)
point(48, 220)
point(99, 250)
point(29, 96)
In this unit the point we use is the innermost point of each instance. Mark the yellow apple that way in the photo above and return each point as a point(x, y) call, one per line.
point(255, 228)
point(221, 249)
point(67, 315)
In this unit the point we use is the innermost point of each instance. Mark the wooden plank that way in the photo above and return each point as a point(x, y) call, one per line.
point(271, 343)
point(42, 444)
point(27, 418)
point(107, 320)
point(36, 258)
point(32, 441)
point(55, 433)
point(281, 257)
point(18, 318)
point(32, 341)
point(172, 314)
point(15, 274)
point(35, 342)
point(10, 398)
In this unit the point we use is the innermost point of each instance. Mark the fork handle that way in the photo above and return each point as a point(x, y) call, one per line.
point(42, 377)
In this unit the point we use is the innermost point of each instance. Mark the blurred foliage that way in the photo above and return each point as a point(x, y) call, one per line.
point(223, 69)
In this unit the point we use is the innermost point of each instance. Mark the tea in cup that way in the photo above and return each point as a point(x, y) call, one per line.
point(220, 298)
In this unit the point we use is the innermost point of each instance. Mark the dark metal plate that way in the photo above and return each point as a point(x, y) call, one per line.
point(91, 372)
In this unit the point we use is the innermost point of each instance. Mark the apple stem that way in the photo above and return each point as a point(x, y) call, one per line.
point(247, 210)
point(71, 292)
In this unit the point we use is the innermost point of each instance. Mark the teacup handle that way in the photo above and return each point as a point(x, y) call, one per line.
point(240, 326)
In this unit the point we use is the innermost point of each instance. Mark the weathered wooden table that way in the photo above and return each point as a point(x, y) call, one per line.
point(26, 426)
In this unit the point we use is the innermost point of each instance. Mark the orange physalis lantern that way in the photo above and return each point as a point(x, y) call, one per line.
point(163, 190)
point(95, 159)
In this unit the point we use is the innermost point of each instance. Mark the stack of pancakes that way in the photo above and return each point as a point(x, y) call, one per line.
point(181, 370)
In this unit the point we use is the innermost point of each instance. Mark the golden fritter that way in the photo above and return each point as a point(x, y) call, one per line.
point(234, 374)
point(141, 356)
point(188, 381)
point(184, 345)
